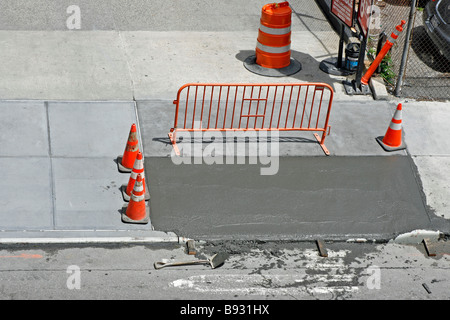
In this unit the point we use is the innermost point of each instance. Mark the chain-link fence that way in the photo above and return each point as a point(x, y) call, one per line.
point(427, 65)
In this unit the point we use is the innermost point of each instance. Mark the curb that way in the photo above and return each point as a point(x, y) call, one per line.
point(55, 237)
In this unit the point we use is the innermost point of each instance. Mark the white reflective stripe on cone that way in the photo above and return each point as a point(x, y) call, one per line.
point(270, 49)
point(137, 198)
point(398, 115)
point(395, 126)
point(274, 31)
point(391, 40)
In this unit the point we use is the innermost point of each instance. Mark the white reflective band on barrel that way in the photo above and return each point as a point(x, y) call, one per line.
point(274, 31)
point(395, 126)
point(270, 49)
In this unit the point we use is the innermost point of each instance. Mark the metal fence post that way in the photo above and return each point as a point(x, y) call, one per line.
point(401, 71)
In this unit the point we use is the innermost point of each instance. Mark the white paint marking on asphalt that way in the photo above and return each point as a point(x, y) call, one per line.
point(314, 276)
point(267, 284)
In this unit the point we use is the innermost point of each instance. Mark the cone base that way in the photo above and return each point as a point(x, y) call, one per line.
point(126, 197)
point(126, 219)
point(121, 168)
point(390, 148)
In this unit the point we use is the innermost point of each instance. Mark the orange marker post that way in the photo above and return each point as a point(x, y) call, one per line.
point(387, 46)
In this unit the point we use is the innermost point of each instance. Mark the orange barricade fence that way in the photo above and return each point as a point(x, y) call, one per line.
point(225, 107)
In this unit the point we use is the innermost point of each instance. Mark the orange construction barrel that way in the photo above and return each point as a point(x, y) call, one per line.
point(273, 46)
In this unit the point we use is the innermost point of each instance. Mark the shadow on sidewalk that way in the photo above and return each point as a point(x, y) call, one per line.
point(310, 71)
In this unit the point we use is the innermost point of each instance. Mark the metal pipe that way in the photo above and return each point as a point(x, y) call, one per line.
point(401, 71)
point(341, 45)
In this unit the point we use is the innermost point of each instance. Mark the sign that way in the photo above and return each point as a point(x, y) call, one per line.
point(344, 9)
point(364, 14)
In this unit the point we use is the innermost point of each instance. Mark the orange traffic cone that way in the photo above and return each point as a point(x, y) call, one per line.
point(138, 168)
point(126, 162)
point(392, 140)
point(136, 211)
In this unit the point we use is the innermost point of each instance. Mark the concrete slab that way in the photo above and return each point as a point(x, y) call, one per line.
point(354, 127)
point(426, 126)
point(50, 65)
point(23, 129)
point(434, 173)
point(87, 194)
point(92, 129)
point(331, 197)
point(156, 117)
point(356, 124)
point(378, 88)
point(26, 193)
point(181, 59)
point(120, 53)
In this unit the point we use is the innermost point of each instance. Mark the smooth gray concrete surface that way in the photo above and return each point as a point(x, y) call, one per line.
point(26, 193)
point(157, 118)
point(329, 196)
point(90, 129)
point(434, 172)
point(184, 60)
point(354, 127)
point(23, 129)
point(426, 134)
point(356, 124)
point(59, 171)
point(87, 194)
point(47, 65)
point(427, 129)
point(119, 53)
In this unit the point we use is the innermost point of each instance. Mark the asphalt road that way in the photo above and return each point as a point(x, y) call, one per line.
point(254, 270)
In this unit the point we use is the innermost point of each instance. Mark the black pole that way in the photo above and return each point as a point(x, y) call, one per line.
point(341, 45)
point(362, 52)
point(401, 72)
point(381, 40)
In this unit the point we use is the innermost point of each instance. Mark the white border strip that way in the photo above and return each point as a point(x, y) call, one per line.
point(92, 240)
point(270, 49)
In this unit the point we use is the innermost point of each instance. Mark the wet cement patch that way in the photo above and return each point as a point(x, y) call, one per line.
point(309, 197)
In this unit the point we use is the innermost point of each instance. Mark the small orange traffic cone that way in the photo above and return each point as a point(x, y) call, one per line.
point(126, 162)
point(136, 211)
point(392, 140)
point(138, 168)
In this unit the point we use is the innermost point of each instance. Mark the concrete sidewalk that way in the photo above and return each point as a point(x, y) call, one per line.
point(60, 179)
point(68, 99)
point(58, 172)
